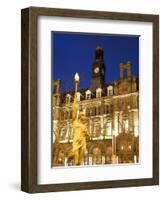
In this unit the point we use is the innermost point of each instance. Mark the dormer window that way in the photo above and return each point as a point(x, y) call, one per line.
point(68, 98)
point(98, 92)
point(88, 94)
point(110, 90)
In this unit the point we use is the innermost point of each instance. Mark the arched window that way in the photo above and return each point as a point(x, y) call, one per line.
point(107, 109)
point(60, 158)
point(96, 129)
point(88, 94)
point(98, 92)
point(65, 115)
point(87, 112)
point(68, 98)
point(70, 114)
point(126, 124)
point(110, 90)
point(98, 110)
point(92, 111)
point(63, 133)
point(71, 133)
point(96, 156)
point(108, 129)
point(62, 115)
point(108, 154)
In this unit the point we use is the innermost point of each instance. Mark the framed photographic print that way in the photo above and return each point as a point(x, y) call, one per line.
point(90, 100)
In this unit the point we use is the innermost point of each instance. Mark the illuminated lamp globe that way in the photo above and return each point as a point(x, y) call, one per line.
point(76, 78)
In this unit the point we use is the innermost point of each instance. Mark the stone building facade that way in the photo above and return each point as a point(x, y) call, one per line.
point(112, 111)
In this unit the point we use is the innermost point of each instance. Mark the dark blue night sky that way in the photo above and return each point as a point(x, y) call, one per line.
point(74, 52)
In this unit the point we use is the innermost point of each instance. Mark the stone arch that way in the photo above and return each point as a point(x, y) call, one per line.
point(59, 157)
point(108, 154)
point(101, 146)
point(67, 150)
point(96, 155)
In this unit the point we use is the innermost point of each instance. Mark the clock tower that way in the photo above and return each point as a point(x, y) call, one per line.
point(98, 70)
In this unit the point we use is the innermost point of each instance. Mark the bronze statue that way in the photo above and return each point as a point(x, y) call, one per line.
point(80, 132)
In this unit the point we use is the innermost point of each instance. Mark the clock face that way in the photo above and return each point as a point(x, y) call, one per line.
point(96, 70)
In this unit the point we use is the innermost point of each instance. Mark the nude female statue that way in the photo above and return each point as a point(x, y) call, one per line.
point(80, 132)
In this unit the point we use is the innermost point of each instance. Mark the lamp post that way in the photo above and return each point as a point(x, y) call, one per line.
point(76, 80)
point(75, 104)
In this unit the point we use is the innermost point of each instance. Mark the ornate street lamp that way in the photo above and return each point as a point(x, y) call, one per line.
point(76, 80)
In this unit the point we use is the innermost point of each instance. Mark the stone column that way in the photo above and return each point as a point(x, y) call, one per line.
point(120, 123)
point(136, 123)
point(102, 126)
point(130, 120)
point(133, 122)
point(116, 123)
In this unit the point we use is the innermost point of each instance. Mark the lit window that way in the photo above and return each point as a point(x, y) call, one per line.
point(71, 133)
point(126, 125)
point(136, 131)
point(88, 94)
point(96, 156)
point(110, 90)
point(63, 133)
point(98, 92)
point(97, 130)
point(108, 129)
point(68, 98)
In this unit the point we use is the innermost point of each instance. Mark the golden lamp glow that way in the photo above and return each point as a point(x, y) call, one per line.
point(76, 77)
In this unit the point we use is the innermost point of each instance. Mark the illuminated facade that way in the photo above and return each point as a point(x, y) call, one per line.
point(112, 111)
